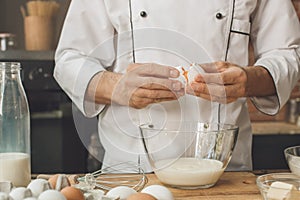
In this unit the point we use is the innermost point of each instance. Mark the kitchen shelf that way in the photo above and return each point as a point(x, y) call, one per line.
point(275, 128)
point(21, 55)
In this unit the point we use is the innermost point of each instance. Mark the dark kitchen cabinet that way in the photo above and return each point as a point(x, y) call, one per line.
point(268, 150)
point(269, 141)
point(56, 145)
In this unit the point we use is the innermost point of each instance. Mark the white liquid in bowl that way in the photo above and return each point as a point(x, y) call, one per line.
point(189, 172)
point(15, 167)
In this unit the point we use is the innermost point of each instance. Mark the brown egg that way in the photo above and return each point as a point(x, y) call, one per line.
point(72, 193)
point(141, 196)
point(52, 180)
point(59, 181)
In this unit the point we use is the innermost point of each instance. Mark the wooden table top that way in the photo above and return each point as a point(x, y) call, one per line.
point(231, 186)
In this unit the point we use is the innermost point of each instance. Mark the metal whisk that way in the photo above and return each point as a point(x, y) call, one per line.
point(123, 174)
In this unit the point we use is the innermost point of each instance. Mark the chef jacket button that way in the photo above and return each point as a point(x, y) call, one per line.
point(219, 16)
point(143, 14)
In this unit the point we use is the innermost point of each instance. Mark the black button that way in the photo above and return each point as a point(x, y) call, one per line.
point(143, 14)
point(219, 16)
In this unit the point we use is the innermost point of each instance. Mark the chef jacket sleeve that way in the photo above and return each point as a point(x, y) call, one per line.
point(85, 48)
point(275, 38)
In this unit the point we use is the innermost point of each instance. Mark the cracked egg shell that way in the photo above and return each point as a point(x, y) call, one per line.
point(193, 71)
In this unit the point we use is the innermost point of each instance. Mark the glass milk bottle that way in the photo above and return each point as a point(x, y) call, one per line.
point(14, 127)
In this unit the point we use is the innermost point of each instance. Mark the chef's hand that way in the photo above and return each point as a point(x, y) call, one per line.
point(225, 82)
point(141, 85)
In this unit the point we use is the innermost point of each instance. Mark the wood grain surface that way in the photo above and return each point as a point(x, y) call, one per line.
point(231, 186)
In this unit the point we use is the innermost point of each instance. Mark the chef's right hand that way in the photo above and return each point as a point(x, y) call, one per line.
point(141, 85)
point(144, 84)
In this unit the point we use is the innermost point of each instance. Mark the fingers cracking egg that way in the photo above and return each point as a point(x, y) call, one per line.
point(193, 71)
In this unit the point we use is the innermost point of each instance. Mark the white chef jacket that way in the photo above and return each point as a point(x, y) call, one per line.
point(103, 35)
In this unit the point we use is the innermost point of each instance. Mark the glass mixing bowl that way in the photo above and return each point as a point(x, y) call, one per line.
point(189, 155)
point(292, 155)
point(281, 186)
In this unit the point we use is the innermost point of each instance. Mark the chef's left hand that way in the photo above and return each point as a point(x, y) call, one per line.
point(223, 82)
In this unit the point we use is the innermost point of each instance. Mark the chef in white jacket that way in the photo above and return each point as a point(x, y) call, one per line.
point(116, 59)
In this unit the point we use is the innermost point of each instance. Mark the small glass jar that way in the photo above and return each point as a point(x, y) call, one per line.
point(14, 127)
point(7, 41)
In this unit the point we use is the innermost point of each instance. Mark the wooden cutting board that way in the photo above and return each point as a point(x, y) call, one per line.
point(231, 186)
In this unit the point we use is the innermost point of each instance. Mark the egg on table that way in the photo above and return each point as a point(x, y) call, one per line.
point(59, 181)
point(51, 195)
point(38, 186)
point(4, 196)
point(72, 193)
point(159, 192)
point(141, 196)
point(6, 186)
point(120, 191)
point(20, 193)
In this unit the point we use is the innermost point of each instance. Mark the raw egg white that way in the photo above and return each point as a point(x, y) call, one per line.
point(141, 196)
point(159, 192)
point(72, 193)
point(122, 192)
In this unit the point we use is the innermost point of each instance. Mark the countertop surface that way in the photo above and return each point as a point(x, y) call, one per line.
point(231, 186)
point(281, 128)
point(20, 55)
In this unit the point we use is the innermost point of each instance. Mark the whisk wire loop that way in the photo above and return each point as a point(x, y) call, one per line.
point(121, 174)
